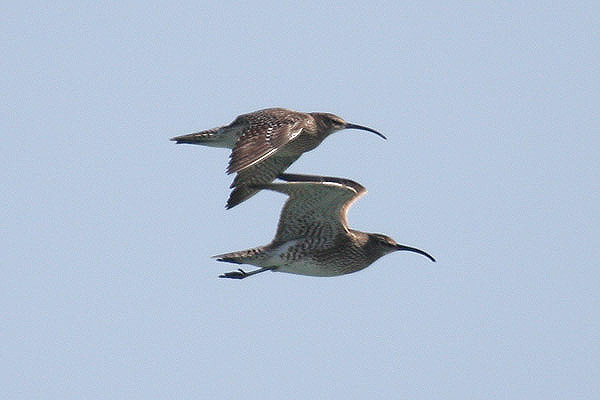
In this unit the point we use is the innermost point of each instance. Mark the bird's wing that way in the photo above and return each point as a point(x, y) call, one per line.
point(265, 132)
point(317, 205)
point(260, 173)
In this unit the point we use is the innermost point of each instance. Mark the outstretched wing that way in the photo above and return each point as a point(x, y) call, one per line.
point(260, 173)
point(317, 206)
point(265, 132)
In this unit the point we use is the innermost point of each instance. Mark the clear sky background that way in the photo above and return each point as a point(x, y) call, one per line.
point(108, 290)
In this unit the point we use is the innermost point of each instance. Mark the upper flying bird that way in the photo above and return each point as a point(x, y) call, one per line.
point(313, 236)
point(265, 143)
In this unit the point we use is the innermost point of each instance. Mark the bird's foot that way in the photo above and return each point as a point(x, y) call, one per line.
point(239, 274)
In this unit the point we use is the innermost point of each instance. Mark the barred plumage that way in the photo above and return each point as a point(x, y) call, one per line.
point(265, 143)
point(313, 236)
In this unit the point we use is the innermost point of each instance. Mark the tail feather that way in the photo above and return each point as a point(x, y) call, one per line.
point(206, 137)
point(229, 260)
point(240, 257)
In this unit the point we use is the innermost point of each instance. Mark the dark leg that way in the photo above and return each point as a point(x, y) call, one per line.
point(241, 274)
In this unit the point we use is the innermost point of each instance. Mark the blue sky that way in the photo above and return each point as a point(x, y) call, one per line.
point(491, 165)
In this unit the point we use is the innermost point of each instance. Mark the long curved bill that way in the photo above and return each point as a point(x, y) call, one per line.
point(406, 248)
point(364, 128)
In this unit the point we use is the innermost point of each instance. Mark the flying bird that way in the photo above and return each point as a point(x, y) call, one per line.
point(265, 143)
point(313, 236)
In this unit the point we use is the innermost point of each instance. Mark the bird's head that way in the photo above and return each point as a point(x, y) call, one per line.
point(333, 123)
point(386, 244)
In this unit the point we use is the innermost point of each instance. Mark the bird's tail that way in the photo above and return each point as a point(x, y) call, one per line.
point(210, 137)
point(242, 256)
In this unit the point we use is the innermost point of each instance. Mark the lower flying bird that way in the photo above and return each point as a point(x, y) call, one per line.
point(265, 143)
point(313, 237)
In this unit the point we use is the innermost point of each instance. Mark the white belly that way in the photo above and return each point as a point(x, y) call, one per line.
point(306, 268)
point(290, 258)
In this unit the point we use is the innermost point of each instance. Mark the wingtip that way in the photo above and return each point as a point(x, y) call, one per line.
point(232, 202)
point(357, 187)
point(240, 194)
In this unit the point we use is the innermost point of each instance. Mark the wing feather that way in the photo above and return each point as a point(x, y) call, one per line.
point(244, 184)
point(316, 205)
point(265, 133)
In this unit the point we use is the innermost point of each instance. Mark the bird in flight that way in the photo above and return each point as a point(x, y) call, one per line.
point(265, 143)
point(313, 236)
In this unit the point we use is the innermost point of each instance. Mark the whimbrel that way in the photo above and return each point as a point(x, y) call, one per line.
point(265, 143)
point(313, 237)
